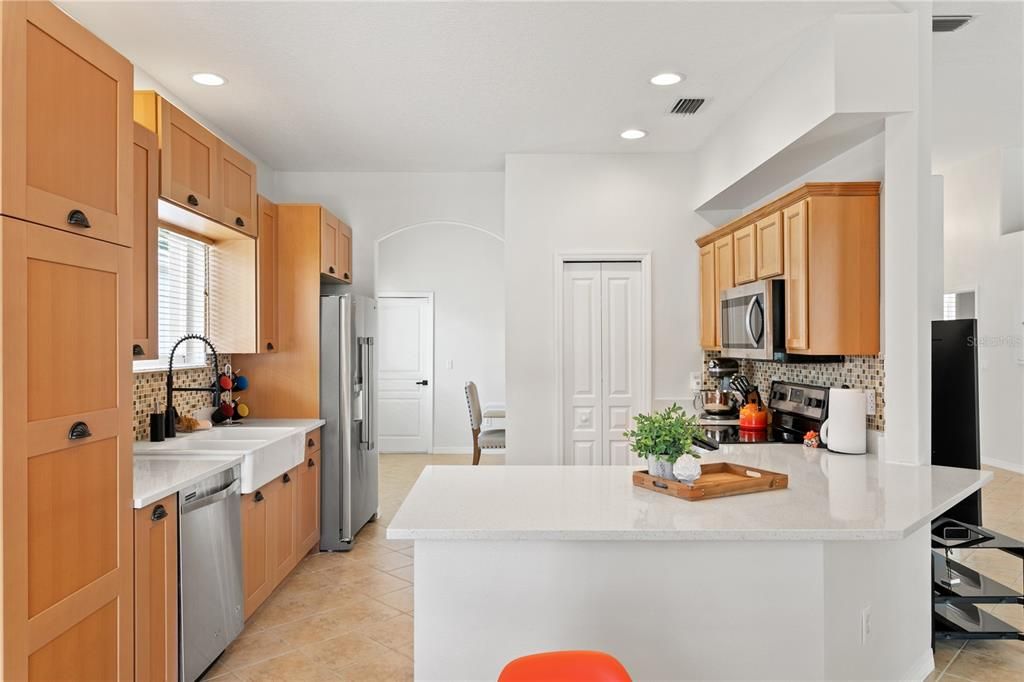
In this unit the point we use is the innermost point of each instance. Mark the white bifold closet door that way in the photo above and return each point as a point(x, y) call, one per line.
point(602, 360)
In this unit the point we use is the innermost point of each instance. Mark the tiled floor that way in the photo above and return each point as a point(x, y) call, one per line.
point(348, 616)
point(341, 616)
point(984, 661)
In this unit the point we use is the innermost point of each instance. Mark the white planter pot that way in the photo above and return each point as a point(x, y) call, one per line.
point(659, 468)
point(687, 469)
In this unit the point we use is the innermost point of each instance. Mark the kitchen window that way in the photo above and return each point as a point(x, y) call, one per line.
point(182, 284)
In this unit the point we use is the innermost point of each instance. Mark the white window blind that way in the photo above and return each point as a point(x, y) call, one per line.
point(182, 277)
point(949, 306)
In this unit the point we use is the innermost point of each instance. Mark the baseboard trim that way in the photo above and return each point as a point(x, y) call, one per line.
point(922, 668)
point(1003, 464)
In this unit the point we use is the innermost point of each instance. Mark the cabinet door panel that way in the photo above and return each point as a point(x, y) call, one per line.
point(266, 278)
point(329, 228)
point(156, 591)
point(307, 515)
point(283, 545)
point(723, 278)
point(797, 238)
point(67, 465)
point(146, 189)
point(257, 578)
point(238, 180)
point(67, 126)
point(708, 297)
point(189, 168)
point(344, 257)
point(745, 254)
point(769, 247)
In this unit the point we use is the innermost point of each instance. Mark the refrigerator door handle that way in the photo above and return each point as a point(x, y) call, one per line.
point(363, 363)
point(369, 394)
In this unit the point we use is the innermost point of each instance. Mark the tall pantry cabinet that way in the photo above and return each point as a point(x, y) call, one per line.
point(65, 349)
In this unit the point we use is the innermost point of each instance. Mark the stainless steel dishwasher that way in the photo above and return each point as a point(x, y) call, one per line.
point(210, 570)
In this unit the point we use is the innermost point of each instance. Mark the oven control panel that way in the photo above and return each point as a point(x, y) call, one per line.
point(801, 399)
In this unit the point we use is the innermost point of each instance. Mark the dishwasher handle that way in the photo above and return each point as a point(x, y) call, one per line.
point(212, 499)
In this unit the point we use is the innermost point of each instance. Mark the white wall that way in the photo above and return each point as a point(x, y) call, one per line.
point(601, 202)
point(463, 266)
point(376, 204)
point(978, 257)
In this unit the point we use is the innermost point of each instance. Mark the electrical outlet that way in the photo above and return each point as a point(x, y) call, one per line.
point(865, 625)
point(694, 381)
point(872, 407)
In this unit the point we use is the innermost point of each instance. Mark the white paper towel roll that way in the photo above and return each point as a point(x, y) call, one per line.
point(845, 431)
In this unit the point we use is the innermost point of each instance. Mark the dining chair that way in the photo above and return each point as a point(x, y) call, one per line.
point(490, 439)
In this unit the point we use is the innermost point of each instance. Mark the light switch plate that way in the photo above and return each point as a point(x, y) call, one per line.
point(871, 405)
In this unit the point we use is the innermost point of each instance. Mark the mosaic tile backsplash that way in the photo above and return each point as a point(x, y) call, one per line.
point(857, 371)
point(151, 388)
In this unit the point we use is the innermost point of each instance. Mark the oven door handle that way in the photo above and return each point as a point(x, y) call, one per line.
point(754, 338)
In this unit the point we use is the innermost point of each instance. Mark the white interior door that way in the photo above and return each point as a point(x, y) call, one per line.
point(405, 374)
point(602, 359)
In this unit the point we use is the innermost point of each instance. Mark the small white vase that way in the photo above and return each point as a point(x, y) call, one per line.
point(660, 468)
point(687, 469)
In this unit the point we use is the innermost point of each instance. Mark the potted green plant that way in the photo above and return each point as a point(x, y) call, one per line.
point(664, 438)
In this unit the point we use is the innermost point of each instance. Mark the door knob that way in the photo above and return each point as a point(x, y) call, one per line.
point(423, 382)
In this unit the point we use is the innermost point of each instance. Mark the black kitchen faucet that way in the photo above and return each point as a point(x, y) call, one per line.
point(171, 416)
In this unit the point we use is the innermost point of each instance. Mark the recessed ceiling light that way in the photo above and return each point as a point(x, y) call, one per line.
point(208, 79)
point(667, 79)
point(633, 134)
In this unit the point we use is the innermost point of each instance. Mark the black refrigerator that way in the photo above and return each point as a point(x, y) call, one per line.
point(955, 430)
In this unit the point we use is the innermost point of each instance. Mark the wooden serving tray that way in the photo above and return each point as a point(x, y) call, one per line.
point(719, 479)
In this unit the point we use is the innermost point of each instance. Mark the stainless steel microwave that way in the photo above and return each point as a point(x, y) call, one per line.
point(754, 320)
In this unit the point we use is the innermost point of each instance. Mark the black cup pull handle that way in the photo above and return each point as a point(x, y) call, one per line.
point(159, 512)
point(310, 464)
point(78, 218)
point(270, 346)
point(138, 350)
point(310, 443)
point(193, 200)
point(347, 276)
point(286, 479)
point(258, 496)
point(330, 269)
point(78, 431)
point(239, 221)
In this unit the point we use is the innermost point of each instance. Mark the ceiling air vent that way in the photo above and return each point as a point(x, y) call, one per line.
point(947, 23)
point(688, 106)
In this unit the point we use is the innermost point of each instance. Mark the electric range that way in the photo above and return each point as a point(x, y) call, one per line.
point(794, 409)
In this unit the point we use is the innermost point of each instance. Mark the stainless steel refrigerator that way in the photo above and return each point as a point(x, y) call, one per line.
point(348, 402)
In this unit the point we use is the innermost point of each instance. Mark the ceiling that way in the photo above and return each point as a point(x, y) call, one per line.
point(455, 86)
point(978, 82)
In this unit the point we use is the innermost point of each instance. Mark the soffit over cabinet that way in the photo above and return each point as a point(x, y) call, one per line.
point(823, 239)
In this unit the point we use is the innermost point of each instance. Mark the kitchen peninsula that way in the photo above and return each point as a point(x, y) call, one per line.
point(828, 578)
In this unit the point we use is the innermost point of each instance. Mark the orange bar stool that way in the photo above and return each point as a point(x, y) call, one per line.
point(565, 666)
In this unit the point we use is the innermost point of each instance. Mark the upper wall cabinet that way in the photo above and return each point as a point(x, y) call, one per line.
point(266, 278)
point(146, 189)
point(335, 247)
point(67, 125)
point(198, 171)
point(823, 239)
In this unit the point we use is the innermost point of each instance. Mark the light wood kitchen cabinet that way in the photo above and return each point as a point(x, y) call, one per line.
point(708, 300)
point(283, 556)
point(266, 277)
point(335, 247)
point(345, 252)
point(769, 246)
point(146, 190)
point(257, 531)
point(724, 278)
point(307, 507)
point(156, 591)
point(745, 254)
point(238, 190)
point(66, 125)
point(823, 238)
point(67, 454)
point(797, 291)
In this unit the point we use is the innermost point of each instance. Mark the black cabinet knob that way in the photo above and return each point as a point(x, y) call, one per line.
point(258, 496)
point(310, 443)
point(310, 464)
point(239, 221)
point(270, 346)
point(286, 479)
point(347, 276)
point(330, 269)
point(193, 200)
point(78, 218)
point(159, 513)
point(78, 431)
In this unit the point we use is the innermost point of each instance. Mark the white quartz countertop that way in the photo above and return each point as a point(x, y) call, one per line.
point(163, 468)
point(830, 497)
point(155, 477)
